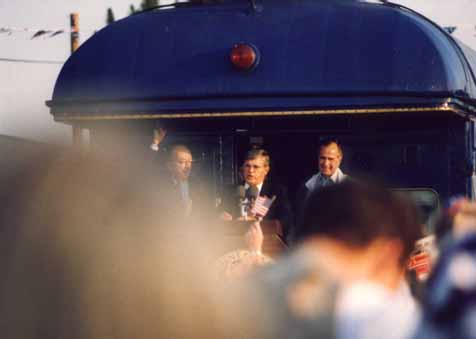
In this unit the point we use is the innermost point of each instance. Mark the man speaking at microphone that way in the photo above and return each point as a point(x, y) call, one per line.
point(255, 171)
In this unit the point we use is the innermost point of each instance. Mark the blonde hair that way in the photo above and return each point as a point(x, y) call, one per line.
point(258, 153)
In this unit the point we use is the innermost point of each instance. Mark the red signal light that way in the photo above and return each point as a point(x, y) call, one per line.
point(244, 56)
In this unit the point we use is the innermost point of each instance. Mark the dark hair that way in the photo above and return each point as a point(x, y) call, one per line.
point(443, 226)
point(358, 212)
point(325, 142)
point(445, 220)
point(256, 153)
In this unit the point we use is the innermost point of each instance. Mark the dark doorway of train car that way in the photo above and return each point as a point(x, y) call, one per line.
point(409, 160)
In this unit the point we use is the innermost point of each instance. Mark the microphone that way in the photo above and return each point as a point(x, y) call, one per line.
point(251, 194)
point(240, 193)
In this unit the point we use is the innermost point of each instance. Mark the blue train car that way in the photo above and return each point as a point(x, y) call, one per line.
point(395, 88)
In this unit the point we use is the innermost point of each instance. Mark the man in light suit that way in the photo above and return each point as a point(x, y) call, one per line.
point(330, 158)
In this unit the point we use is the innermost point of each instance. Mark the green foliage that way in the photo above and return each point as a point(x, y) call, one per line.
point(146, 4)
point(132, 9)
point(110, 16)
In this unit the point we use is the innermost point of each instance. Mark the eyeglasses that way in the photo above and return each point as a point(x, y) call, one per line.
point(255, 167)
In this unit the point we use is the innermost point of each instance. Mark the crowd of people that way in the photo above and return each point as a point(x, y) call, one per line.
point(91, 251)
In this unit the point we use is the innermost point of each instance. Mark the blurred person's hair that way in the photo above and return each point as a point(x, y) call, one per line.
point(454, 220)
point(358, 212)
point(88, 250)
point(445, 221)
point(443, 227)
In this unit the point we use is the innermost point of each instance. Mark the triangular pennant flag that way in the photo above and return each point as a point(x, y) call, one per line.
point(5, 30)
point(450, 29)
point(55, 33)
point(39, 33)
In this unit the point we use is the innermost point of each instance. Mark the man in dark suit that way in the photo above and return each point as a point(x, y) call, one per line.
point(189, 196)
point(255, 170)
point(179, 165)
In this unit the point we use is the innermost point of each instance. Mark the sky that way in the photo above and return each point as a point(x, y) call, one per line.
point(24, 87)
point(459, 13)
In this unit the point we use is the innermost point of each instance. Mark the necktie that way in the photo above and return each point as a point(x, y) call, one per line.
point(251, 193)
point(184, 191)
point(185, 197)
point(326, 181)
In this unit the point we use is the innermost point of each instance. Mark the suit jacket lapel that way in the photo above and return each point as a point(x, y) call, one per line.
point(269, 190)
point(265, 189)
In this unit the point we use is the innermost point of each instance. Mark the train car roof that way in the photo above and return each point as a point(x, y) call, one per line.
point(313, 56)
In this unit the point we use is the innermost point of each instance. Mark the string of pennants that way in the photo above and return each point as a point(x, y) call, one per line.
point(40, 32)
point(452, 29)
point(51, 33)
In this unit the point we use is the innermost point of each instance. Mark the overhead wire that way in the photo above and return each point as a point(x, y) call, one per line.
point(38, 32)
point(32, 61)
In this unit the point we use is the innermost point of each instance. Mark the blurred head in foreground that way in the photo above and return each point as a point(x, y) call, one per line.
point(373, 228)
point(346, 274)
point(361, 235)
point(88, 251)
point(449, 301)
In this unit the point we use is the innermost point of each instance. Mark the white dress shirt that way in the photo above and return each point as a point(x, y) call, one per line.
point(319, 180)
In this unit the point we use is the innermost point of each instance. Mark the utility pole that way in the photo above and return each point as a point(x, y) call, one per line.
point(74, 24)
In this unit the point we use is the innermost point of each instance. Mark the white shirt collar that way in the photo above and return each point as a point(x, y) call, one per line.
point(259, 187)
point(180, 183)
point(337, 177)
